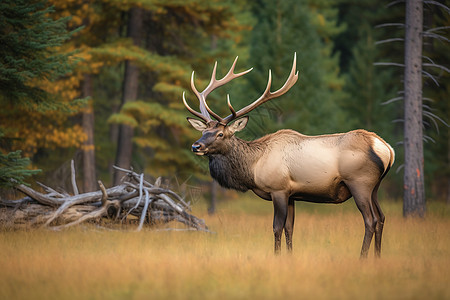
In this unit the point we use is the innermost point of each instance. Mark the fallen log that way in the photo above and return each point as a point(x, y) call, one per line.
point(134, 199)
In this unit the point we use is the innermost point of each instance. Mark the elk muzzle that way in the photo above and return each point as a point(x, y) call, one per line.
point(199, 148)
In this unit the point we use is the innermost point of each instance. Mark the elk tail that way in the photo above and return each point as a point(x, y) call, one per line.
point(383, 153)
point(391, 160)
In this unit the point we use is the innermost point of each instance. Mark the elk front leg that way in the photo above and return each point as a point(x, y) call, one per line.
point(280, 208)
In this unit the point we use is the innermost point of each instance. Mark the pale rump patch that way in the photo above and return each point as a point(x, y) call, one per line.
point(383, 150)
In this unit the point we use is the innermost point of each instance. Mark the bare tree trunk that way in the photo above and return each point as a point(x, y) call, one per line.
point(88, 148)
point(414, 190)
point(130, 92)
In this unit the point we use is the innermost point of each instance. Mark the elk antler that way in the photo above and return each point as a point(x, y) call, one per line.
point(267, 95)
point(205, 111)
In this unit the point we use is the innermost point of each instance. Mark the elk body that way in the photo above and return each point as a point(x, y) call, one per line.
point(287, 166)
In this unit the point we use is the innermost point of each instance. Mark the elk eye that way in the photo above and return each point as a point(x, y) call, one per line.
point(220, 134)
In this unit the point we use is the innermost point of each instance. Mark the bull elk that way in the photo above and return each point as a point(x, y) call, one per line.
point(286, 166)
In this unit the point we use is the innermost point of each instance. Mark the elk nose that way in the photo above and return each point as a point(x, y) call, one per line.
point(196, 147)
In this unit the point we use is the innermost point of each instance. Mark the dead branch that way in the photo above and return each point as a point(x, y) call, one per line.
point(73, 177)
point(155, 188)
point(134, 199)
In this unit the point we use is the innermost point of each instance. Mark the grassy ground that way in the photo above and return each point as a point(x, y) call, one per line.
point(236, 262)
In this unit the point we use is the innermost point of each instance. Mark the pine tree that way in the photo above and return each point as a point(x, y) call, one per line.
point(436, 119)
point(367, 89)
point(13, 169)
point(177, 38)
point(129, 94)
point(432, 98)
point(29, 38)
point(28, 58)
point(282, 28)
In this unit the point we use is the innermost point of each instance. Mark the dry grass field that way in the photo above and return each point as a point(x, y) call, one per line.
point(237, 261)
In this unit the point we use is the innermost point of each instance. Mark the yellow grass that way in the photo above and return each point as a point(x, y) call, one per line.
point(236, 262)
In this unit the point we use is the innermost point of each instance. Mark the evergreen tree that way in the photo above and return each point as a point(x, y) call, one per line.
point(435, 98)
point(177, 38)
point(129, 94)
point(28, 57)
point(29, 37)
point(366, 88)
point(282, 28)
point(101, 33)
point(436, 102)
point(13, 169)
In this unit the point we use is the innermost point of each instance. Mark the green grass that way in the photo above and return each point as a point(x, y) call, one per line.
point(237, 261)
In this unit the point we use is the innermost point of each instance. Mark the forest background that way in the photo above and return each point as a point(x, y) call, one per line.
point(116, 70)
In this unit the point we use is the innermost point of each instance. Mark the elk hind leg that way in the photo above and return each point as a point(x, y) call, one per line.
point(363, 201)
point(380, 223)
point(289, 224)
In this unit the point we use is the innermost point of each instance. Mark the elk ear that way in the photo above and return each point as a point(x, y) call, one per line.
point(238, 125)
point(197, 124)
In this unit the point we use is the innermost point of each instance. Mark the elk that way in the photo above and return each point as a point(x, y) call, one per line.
point(287, 166)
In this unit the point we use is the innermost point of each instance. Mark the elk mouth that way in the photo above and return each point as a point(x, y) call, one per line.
point(199, 150)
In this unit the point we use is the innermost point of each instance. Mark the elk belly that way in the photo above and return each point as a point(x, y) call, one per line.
point(316, 169)
point(336, 193)
point(315, 177)
point(305, 170)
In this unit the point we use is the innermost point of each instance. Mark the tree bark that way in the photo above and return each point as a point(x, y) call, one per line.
point(88, 148)
point(414, 190)
point(130, 92)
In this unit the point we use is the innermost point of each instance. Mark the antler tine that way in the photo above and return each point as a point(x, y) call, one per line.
point(233, 112)
point(205, 111)
point(214, 83)
point(195, 113)
point(267, 95)
point(292, 79)
point(210, 86)
point(194, 89)
point(231, 75)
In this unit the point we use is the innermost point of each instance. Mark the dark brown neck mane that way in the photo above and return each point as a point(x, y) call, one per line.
point(233, 168)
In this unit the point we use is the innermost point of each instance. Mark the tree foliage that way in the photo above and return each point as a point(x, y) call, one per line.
point(187, 29)
point(342, 85)
point(30, 60)
point(35, 105)
point(282, 28)
point(435, 78)
point(29, 54)
point(13, 169)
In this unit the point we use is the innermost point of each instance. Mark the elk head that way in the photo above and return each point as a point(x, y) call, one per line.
point(217, 134)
